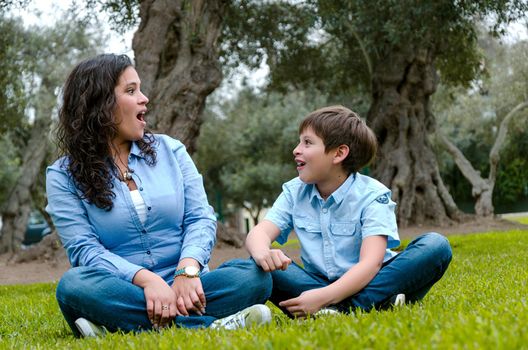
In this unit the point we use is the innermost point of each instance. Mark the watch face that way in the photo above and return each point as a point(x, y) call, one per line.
point(192, 271)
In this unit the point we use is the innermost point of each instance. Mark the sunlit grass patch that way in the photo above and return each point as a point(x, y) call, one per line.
point(520, 219)
point(481, 303)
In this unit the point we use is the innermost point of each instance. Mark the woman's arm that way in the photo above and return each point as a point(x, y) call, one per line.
point(199, 234)
point(78, 236)
point(355, 279)
point(199, 221)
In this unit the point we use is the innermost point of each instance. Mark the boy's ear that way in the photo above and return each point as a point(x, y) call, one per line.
point(341, 152)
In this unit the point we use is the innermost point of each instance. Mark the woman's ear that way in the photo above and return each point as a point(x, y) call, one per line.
point(341, 152)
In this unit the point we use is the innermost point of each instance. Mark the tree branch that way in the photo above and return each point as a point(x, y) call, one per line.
point(494, 156)
point(461, 161)
point(363, 49)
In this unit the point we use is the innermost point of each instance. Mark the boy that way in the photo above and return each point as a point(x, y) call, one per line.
point(345, 223)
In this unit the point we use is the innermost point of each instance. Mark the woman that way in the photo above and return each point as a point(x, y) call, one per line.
point(132, 214)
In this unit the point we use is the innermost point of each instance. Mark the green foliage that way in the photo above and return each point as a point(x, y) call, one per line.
point(480, 303)
point(123, 14)
point(334, 45)
point(9, 166)
point(245, 149)
point(14, 57)
point(35, 63)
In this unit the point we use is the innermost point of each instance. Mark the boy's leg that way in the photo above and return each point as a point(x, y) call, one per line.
point(412, 272)
point(235, 285)
point(292, 282)
point(109, 301)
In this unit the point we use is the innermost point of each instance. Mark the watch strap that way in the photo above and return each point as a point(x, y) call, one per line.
point(181, 272)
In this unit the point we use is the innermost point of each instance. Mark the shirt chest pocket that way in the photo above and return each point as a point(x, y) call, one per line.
point(347, 239)
point(307, 225)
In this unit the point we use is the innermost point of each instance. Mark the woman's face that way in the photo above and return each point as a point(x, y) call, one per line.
point(130, 108)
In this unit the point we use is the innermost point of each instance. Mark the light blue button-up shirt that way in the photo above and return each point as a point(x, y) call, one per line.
point(330, 232)
point(179, 223)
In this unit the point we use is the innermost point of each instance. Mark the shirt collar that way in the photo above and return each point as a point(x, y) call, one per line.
point(338, 194)
point(135, 150)
point(342, 190)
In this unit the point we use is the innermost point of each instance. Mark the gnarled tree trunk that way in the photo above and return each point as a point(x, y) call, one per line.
point(15, 214)
point(401, 118)
point(177, 59)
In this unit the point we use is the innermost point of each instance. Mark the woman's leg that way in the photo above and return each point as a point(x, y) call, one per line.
point(235, 285)
point(412, 272)
point(109, 301)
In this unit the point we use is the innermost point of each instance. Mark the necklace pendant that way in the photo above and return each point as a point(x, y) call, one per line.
point(127, 176)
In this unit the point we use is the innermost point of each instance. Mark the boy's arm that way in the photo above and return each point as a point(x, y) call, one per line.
point(258, 244)
point(355, 279)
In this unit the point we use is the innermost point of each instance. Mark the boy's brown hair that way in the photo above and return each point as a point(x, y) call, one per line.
point(338, 125)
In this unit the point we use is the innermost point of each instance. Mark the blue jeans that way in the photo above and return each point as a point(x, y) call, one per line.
point(109, 301)
point(412, 272)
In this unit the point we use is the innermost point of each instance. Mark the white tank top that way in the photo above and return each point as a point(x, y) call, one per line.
point(139, 203)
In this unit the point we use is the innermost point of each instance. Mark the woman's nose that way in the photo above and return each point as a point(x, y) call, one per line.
point(144, 99)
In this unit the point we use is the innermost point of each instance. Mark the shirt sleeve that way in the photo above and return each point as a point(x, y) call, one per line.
point(379, 218)
point(199, 221)
point(281, 215)
point(78, 236)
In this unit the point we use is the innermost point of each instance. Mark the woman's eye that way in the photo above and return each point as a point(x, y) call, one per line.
point(130, 91)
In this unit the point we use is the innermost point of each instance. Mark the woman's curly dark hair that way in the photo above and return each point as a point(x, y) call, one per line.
point(87, 127)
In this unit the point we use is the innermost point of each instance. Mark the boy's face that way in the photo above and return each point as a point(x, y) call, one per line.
point(314, 165)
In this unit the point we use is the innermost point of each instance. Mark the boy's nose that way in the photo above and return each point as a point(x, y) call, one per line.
point(296, 150)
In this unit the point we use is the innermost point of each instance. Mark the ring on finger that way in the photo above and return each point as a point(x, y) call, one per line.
point(164, 307)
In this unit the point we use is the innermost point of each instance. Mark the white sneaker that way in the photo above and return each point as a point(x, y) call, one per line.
point(326, 311)
point(88, 329)
point(399, 300)
point(251, 316)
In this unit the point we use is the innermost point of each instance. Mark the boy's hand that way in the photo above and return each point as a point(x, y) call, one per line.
point(271, 260)
point(308, 303)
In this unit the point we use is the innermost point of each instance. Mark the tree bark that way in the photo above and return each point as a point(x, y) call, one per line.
point(401, 118)
point(482, 189)
point(16, 213)
point(177, 59)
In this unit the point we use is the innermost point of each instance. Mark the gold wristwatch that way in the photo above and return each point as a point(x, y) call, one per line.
point(188, 271)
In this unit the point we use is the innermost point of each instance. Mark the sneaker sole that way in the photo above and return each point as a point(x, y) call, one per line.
point(85, 328)
point(400, 300)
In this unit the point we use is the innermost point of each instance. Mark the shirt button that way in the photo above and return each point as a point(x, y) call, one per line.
point(325, 210)
point(143, 231)
point(141, 188)
point(148, 252)
point(149, 208)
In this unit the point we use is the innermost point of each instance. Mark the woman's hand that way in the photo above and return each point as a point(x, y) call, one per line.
point(190, 296)
point(308, 303)
point(271, 259)
point(160, 298)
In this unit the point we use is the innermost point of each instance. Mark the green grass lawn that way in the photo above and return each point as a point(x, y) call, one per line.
point(520, 219)
point(481, 303)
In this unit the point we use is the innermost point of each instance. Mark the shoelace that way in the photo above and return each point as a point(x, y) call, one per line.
point(237, 321)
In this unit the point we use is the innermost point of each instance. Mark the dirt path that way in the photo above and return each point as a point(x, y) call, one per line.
point(46, 271)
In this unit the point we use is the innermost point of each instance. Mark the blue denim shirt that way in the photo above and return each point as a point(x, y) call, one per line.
point(179, 223)
point(330, 232)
